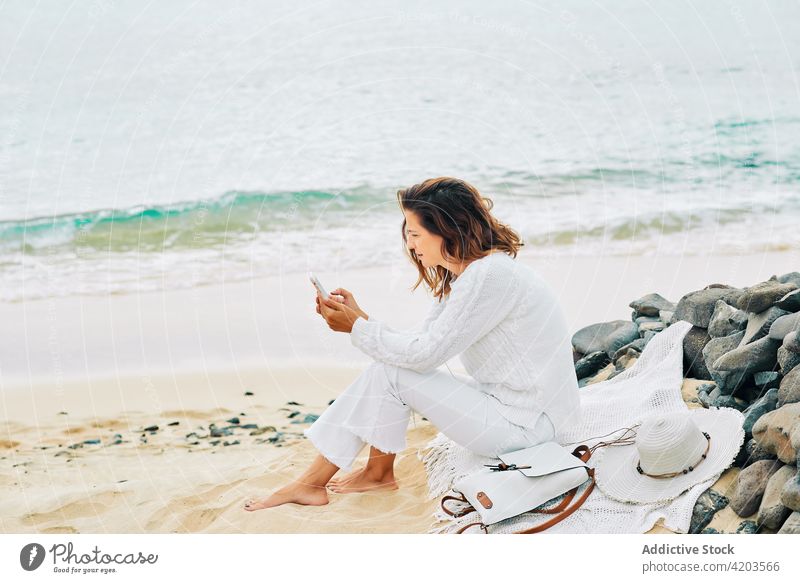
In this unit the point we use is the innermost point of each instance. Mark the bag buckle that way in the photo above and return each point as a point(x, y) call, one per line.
point(502, 467)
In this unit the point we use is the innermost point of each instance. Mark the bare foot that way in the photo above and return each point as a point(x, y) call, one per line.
point(295, 493)
point(362, 481)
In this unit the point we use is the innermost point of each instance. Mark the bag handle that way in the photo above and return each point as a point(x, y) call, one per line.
point(469, 508)
point(584, 453)
point(567, 512)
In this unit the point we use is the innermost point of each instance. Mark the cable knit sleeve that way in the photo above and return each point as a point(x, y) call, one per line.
point(479, 299)
point(433, 313)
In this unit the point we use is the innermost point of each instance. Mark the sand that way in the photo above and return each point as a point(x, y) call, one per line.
point(174, 484)
point(105, 368)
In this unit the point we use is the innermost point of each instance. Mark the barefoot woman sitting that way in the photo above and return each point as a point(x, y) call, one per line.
point(496, 314)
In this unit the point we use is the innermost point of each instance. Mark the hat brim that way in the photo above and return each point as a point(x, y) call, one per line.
point(617, 477)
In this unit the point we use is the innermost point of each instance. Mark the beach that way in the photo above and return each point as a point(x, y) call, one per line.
point(108, 401)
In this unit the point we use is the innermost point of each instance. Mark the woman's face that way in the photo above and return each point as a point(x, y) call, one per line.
point(425, 244)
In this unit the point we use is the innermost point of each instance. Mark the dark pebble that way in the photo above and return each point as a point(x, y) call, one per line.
point(233, 420)
point(151, 428)
point(173, 424)
point(262, 430)
point(227, 443)
point(295, 403)
point(707, 505)
point(220, 431)
point(293, 414)
point(747, 527)
point(248, 394)
point(309, 418)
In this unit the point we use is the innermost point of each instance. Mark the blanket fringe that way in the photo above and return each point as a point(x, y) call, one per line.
point(437, 465)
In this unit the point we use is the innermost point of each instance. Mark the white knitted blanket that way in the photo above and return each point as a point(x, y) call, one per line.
point(652, 384)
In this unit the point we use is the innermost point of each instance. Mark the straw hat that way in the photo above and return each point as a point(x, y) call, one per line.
point(672, 452)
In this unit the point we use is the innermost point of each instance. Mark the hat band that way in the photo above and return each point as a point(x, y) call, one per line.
point(686, 471)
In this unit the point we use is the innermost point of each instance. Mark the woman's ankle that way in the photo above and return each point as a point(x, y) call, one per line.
point(379, 473)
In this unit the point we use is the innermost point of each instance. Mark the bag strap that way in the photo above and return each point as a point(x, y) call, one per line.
point(567, 512)
point(584, 453)
point(469, 508)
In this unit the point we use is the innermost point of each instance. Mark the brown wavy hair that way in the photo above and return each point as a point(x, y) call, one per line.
point(454, 210)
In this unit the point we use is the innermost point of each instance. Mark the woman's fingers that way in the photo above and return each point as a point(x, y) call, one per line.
point(342, 292)
point(333, 304)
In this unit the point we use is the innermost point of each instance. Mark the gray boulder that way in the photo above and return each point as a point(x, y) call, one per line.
point(707, 397)
point(654, 327)
point(750, 486)
point(767, 379)
point(708, 504)
point(726, 320)
point(775, 432)
point(763, 296)
point(637, 344)
point(758, 325)
point(606, 336)
point(789, 390)
point(758, 356)
point(750, 453)
point(693, 363)
point(715, 349)
point(729, 401)
point(787, 360)
point(767, 403)
point(791, 277)
point(697, 307)
point(783, 325)
point(791, 342)
point(790, 302)
point(651, 305)
point(772, 512)
point(790, 494)
point(791, 525)
point(590, 364)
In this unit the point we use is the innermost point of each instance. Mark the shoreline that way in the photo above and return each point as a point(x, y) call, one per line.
point(270, 323)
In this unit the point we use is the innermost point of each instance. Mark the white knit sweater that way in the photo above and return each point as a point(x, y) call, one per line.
point(506, 324)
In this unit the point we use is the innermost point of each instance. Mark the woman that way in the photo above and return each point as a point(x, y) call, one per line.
point(498, 315)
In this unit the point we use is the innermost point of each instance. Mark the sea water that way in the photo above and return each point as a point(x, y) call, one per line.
point(147, 146)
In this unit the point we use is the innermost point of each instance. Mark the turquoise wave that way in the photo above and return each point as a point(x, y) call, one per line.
point(190, 224)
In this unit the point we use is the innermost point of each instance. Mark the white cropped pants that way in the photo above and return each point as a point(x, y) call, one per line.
point(376, 407)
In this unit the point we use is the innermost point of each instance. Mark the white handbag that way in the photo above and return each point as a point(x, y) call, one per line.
point(523, 481)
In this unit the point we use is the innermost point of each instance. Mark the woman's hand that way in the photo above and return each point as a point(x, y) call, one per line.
point(350, 301)
point(338, 315)
point(343, 296)
point(337, 298)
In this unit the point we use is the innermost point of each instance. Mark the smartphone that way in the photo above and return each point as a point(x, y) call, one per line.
point(318, 285)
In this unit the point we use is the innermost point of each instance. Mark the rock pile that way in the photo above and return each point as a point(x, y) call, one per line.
point(744, 345)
